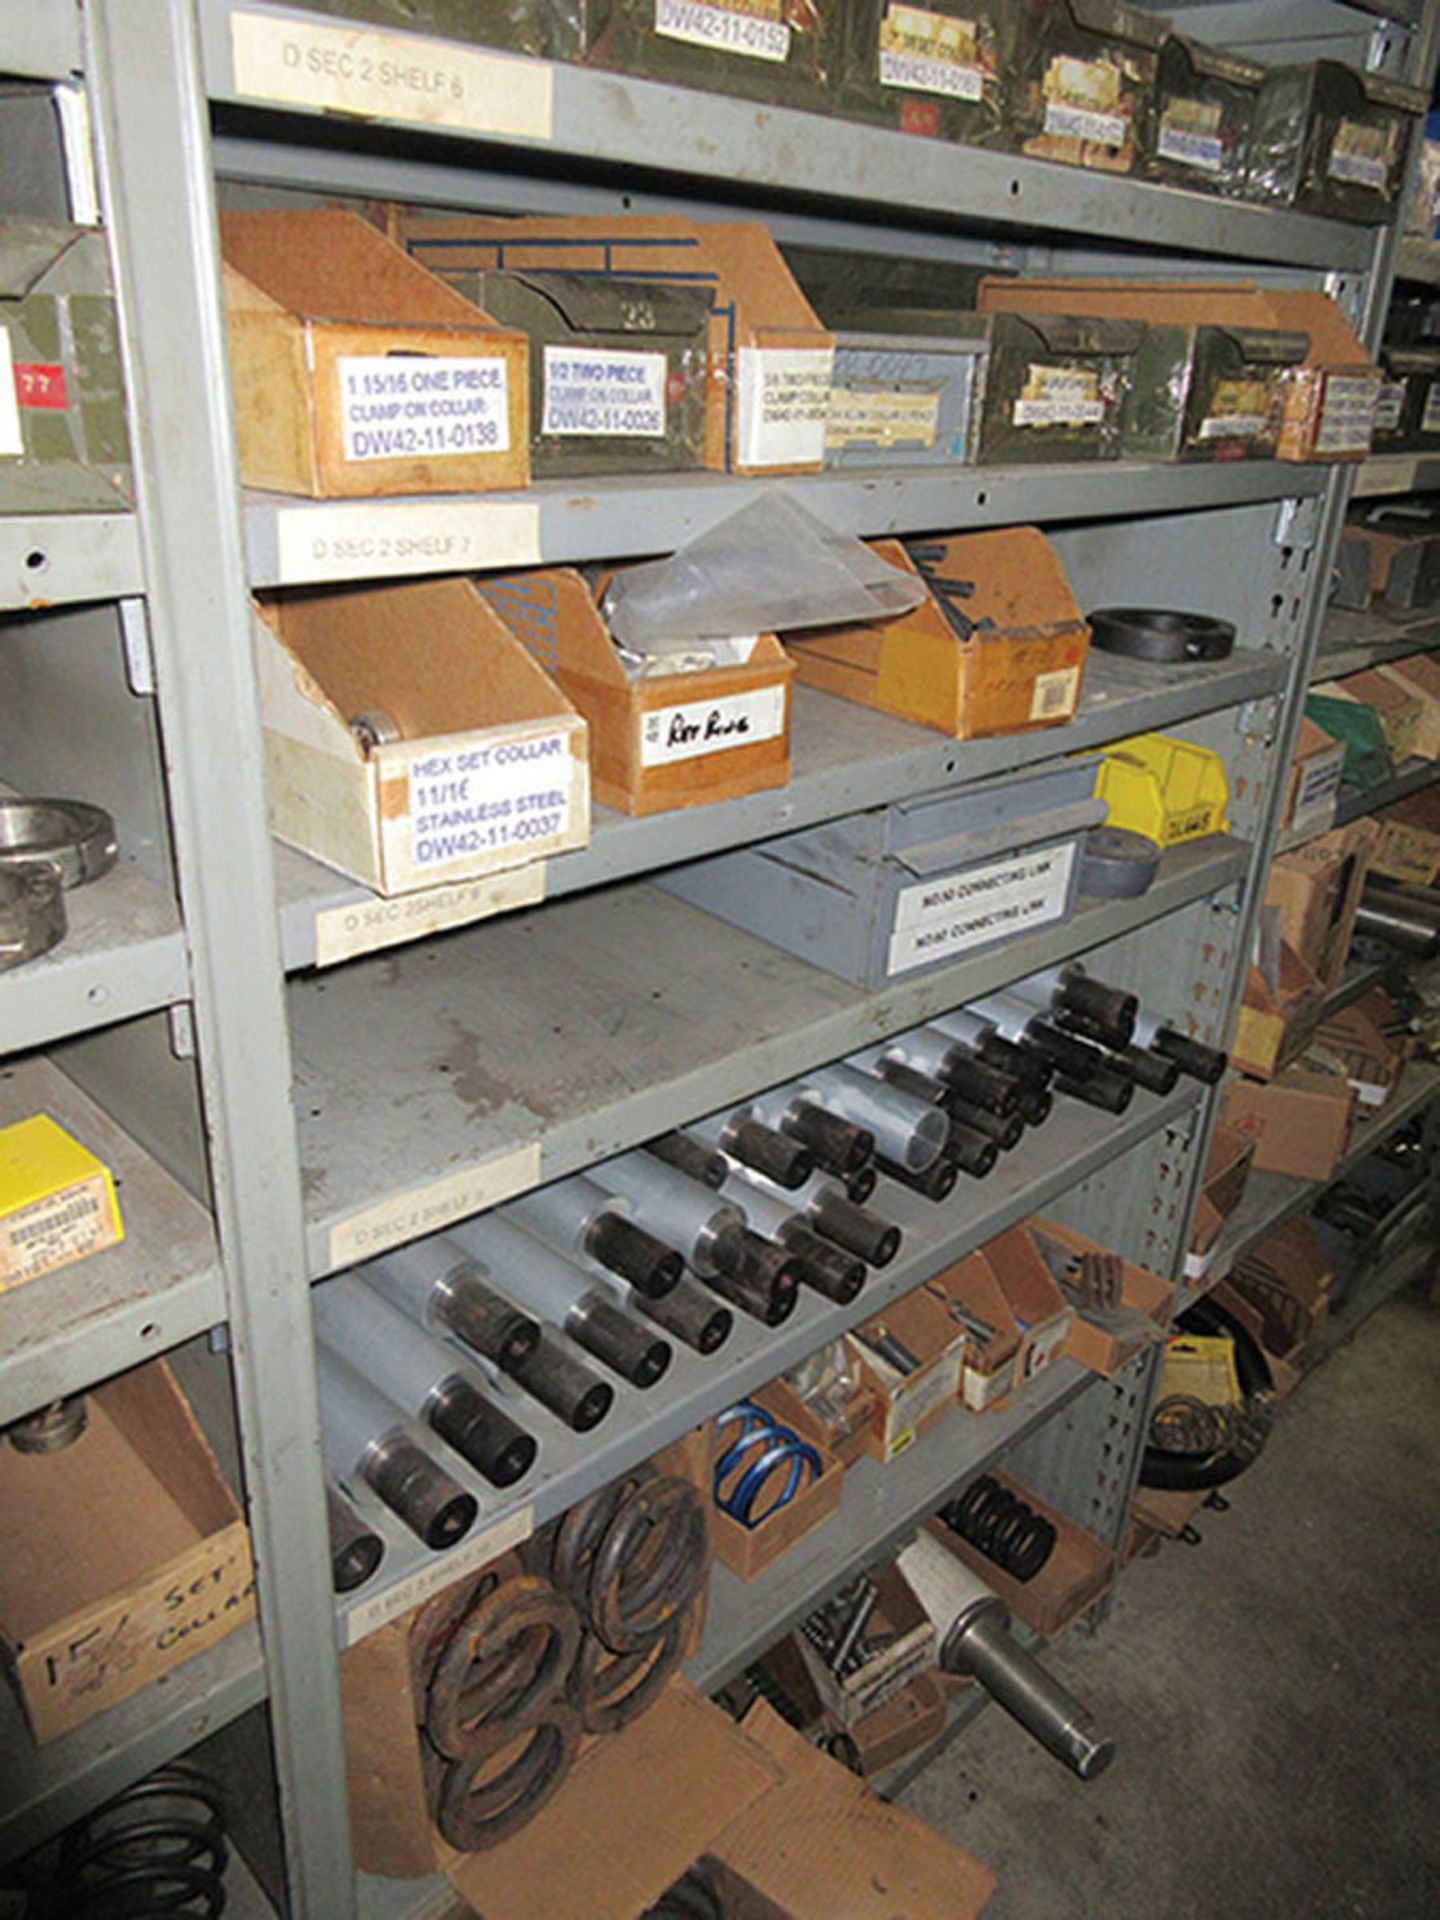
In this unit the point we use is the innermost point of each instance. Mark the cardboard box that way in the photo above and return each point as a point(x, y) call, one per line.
point(901, 400)
point(490, 770)
point(665, 740)
point(1334, 141)
point(907, 1405)
point(1314, 782)
point(1106, 1339)
point(1419, 675)
point(988, 1377)
point(764, 51)
point(1284, 1374)
point(1227, 1173)
point(57, 1201)
point(770, 360)
point(1056, 387)
point(1396, 565)
point(125, 1554)
point(912, 1721)
point(1316, 891)
point(1084, 86)
point(356, 373)
point(1200, 132)
point(909, 1650)
point(1286, 1279)
point(1369, 1041)
point(1009, 1285)
point(1401, 710)
point(1408, 847)
point(940, 70)
point(1301, 1122)
point(748, 1551)
point(1079, 1570)
point(1197, 390)
point(1023, 673)
point(64, 443)
point(1275, 1023)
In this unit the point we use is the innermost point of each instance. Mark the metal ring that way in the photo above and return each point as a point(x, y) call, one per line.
point(506, 1662)
point(661, 1536)
point(472, 1818)
point(611, 1690)
point(374, 728)
point(72, 836)
point(33, 917)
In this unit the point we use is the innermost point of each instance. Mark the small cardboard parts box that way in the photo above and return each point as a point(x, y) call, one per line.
point(748, 1551)
point(57, 1201)
point(125, 1554)
point(1401, 709)
point(357, 373)
point(1314, 785)
point(1006, 1284)
point(898, 399)
point(1084, 83)
point(1106, 1339)
point(1368, 1039)
point(912, 1721)
point(1419, 674)
point(1276, 1022)
point(490, 770)
point(663, 740)
point(1301, 1122)
point(909, 1404)
point(770, 360)
point(1409, 844)
point(1396, 564)
point(1079, 1570)
point(1227, 1172)
point(1022, 673)
point(1287, 1280)
point(907, 1634)
point(1316, 891)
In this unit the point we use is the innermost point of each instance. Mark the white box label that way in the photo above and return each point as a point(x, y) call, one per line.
point(480, 799)
point(725, 29)
point(12, 440)
point(917, 74)
point(390, 76)
point(595, 390)
point(404, 407)
point(343, 932)
point(1430, 417)
point(371, 539)
point(937, 919)
point(1189, 148)
point(1390, 406)
point(439, 1572)
point(1361, 155)
point(1347, 413)
point(783, 405)
point(1232, 426)
point(1055, 693)
point(695, 727)
point(1083, 123)
point(427, 1209)
point(1059, 397)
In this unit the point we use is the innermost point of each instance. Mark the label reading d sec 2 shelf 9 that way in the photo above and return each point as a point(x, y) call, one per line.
point(395, 407)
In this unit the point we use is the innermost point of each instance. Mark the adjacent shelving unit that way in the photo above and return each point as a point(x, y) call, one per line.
point(288, 1074)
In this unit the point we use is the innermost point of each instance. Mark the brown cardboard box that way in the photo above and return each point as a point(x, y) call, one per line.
point(770, 359)
point(1408, 846)
point(907, 1405)
point(1227, 1171)
point(748, 1551)
point(1023, 673)
point(1286, 1279)
point(125, 1554)
point(1316, 889)
point(1301, 1122)
point(490, 771)
point(1314, 784)
point(912, 1721)
point(1104, 1341)
point(357, 373)
point(1284, 1374)
point(1009, 1285)
point(1079, 1570)
point(665, 741)
point(989, 1370)
point(1401, 710)
point(1274, 1024)
point(1419, 674)
point(909, 1635)
point(1362, 1038)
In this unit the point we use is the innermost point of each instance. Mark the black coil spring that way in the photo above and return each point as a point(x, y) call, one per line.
point(157, 1849)
point(1001, 1526)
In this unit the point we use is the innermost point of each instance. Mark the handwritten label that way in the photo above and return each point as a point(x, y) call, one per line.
point(481, 798)
point(1055, 694)
point(595, 390)
point(1347, 413)
point(427, 1209)
point(439, 1572)
point(376, 538)
point(12, 440)
point(757, 32)
point(696, 727)
point(343, 932)
point(938, 919)
point(866, 417)
point(394, 408)
point(784, 405)
point(390, 76)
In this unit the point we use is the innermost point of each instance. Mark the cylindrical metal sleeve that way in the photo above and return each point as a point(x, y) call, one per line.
point(1108, 1013)
point(896, 1065)
point(530, 1272)
point(1110, 1092)
point(1152, 1071)
point(973, 1152)
point(620, 1343)
point(1398, 924)
point(560, 1381)
point(766, 1150)
point(481, 1432)
point(440, 1287)
point(904, 1129)
point(826, 1268)
point(938, 1180)
point(624, 1248)
point(835, 1143)
point(1192, 1057)
point(692, 1313)
point(858, 1231)
point(356, 1550)
point(1007, 1132)
point(689, 1156)
point(681, 1212)
point(758, 1276)
point(419, 1491)
point(381, 1342)
point(1016, 1681)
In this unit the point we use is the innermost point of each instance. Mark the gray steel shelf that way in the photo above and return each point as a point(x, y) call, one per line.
point(49, 559)
point(1387, 473)
point(292, 542)
point(1413, 777)
point(42, 38)
point(1350, 642)
point(880, 1505)
point(43, 1789)
point(1073, 1143)
point(432, 1082)
point(160, 1285)
point(616, 122)
point(843, 757)
point(1418, 259)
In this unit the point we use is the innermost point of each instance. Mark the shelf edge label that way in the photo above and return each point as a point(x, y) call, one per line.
point(371, 924)
point(430, 1208)
point(376, 539)
point(443, 1570)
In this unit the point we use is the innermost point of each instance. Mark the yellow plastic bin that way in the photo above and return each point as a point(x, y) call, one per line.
point(1165, 788)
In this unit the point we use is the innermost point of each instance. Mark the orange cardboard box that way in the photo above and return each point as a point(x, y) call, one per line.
point(1419, 674)
point(1301, 1123)
point(1079, 1570)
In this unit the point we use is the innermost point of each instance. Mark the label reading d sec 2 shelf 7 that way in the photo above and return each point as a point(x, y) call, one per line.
point(395, 407)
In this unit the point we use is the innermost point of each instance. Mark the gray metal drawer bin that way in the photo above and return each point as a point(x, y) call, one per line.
point(919, 884)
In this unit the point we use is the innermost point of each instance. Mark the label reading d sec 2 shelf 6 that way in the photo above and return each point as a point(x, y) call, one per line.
point(419, 408)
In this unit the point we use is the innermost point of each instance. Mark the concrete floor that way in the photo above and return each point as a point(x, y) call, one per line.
point(1275, 1691)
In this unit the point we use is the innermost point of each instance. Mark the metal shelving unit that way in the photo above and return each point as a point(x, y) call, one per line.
point(272, 1123)
point(1350, 642)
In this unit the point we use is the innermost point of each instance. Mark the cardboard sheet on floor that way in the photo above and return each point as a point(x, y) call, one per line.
point(823, 1847)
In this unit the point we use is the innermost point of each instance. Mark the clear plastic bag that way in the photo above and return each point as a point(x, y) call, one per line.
point(828, 1382)
point(770, 567)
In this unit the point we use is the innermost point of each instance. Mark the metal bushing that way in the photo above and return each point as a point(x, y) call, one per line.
point(374, 728)
point(71, 836)
point(610, 1690)
point(52, 1428)
point(33, 918)
point(503, 1667)
point(473, 1811)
